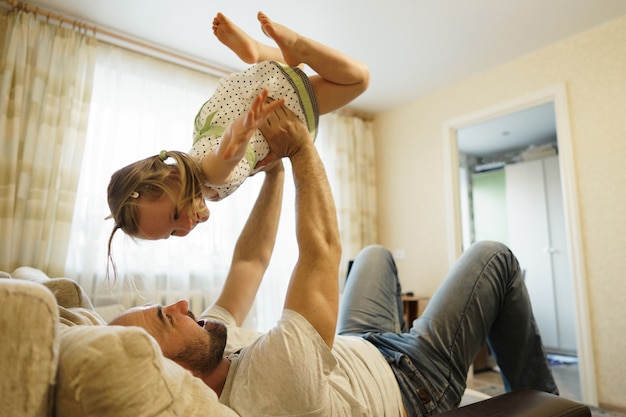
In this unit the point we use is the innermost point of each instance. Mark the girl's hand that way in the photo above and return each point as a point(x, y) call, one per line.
point(244, 127)
point(262, 106)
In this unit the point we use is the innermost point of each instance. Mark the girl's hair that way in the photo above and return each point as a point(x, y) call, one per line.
point(150, 178)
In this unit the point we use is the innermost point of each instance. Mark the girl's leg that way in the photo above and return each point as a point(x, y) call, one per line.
point(372, 300)
point(247, 48)
point(340, 78)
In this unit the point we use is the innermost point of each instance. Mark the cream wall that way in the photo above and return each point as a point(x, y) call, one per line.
point(411, 160)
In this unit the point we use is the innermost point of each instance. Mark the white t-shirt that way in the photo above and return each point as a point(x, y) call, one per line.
point(290, 371)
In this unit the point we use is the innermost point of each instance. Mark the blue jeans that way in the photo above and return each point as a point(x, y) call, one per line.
point(483, 298)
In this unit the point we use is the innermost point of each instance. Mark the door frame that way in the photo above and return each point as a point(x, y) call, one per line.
point(558, 95)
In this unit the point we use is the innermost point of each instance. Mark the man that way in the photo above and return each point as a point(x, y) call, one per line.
point(364, 363)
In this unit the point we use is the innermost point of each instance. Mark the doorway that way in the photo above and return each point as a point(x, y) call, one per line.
point(552, 100)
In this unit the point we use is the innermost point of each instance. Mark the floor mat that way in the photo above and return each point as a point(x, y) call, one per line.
point(555, 359)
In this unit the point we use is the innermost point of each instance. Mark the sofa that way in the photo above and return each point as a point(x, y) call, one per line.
point(58, 358)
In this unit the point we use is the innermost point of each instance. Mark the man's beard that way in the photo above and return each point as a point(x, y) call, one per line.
point(203, 355)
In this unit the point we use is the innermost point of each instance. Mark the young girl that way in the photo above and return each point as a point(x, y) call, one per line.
point(151, 198)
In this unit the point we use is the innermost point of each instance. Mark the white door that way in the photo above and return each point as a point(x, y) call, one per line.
point(561, 273)
point(529, 238)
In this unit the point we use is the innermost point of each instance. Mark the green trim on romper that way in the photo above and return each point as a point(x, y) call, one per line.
point(251, 156)
point(307, 103)
point(207, 129)
point(306, 100)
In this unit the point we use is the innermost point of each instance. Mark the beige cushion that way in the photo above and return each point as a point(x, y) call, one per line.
point(120, 371)
point(79, 316)
point(68, 293)
point(29, 273)
point(74, 305)
point(29, 348)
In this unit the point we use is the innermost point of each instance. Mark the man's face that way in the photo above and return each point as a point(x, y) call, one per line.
point(197, 346)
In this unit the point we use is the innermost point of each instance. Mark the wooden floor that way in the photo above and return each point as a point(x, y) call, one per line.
point(566, 377)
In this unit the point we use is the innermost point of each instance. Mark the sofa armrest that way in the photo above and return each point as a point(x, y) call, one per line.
point(522, 403)
point(29, 348)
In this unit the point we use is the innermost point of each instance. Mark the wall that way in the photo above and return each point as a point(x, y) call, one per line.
point(411, 160)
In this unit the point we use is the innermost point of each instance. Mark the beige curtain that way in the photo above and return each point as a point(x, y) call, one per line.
point(44, 101)
point(346, 146)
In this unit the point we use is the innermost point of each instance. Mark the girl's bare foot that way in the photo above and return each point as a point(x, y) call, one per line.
point(286, 39)
point(236, 39)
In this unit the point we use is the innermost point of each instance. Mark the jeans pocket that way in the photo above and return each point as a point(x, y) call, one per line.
point(416, 394)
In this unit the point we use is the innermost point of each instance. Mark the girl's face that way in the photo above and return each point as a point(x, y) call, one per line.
point(159, 219)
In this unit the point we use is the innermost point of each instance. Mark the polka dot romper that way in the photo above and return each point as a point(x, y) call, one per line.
point(233, 96)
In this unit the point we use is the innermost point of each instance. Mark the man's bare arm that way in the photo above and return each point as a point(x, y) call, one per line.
point(313, 289)
point(254, 247)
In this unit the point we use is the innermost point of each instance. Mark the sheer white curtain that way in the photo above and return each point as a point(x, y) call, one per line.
point(141, 105)
point(346, 145)
point(44, 102)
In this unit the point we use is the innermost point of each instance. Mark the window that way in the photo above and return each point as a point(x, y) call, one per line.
point(141, 105)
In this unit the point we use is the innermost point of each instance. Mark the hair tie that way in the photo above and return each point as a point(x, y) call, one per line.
point(163, 155)
point(134, 194)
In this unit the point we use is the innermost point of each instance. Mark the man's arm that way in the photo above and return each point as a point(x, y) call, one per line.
point(313, 289)
point(254, 247)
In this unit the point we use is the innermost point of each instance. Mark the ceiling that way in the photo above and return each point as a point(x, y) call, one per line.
point(412, 47)
point(513, 132)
